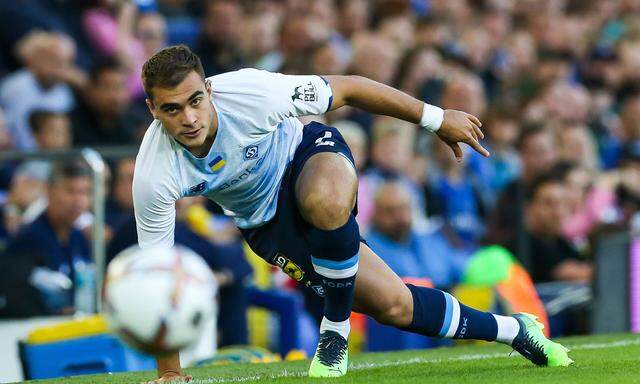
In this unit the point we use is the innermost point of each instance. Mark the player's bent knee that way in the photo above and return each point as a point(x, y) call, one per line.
point(325, 212)
point(326, 190)
point(396, 312)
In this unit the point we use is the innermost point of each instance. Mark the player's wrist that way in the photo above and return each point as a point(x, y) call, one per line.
point(432, 117)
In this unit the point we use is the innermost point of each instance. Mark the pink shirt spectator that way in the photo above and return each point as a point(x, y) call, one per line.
point(596, 206)
point(103, 31)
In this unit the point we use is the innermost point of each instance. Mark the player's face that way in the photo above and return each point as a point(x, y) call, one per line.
point(185, 111)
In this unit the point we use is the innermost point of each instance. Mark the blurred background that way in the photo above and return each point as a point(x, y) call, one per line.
point(548, 224)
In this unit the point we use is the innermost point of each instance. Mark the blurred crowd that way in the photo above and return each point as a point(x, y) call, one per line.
point(555, 82)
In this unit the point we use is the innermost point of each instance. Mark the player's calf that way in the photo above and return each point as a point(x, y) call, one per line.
point(335, 257)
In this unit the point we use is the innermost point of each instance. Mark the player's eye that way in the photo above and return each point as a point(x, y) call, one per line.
point(171, 110)
point(195, 102)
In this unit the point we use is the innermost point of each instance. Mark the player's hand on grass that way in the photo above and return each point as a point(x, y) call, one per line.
point(461, 127)
point(171, 377)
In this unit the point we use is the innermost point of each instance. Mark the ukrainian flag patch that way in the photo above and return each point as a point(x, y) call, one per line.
point(217, 164)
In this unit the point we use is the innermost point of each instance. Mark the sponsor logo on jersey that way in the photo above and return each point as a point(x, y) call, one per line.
point(217, 164)
point(251, 152)
point(307, 93)
point(289, 267)
point(242, 175)
point(196, 188)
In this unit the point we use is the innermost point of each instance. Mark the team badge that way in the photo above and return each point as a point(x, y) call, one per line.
point(217, 164)
point(251, 152)
point(289, 267)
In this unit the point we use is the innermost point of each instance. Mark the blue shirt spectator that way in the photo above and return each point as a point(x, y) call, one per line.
point(37, 270)
point(422, 254)
point(40, 241)
point(410, 252)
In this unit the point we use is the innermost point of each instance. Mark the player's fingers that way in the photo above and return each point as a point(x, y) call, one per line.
point(478, 147)
point(479, 132)
point(475, 120)
point(473, 134)
point(457, 151)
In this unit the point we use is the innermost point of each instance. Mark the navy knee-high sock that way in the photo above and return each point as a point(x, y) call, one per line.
point(437, 313)
point(335, 257)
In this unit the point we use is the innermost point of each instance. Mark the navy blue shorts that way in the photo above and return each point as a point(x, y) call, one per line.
point(281, 241)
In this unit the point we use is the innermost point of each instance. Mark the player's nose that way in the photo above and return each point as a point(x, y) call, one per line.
point(190, 118)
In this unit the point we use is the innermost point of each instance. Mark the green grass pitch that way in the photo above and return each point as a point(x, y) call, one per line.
point(598, 359)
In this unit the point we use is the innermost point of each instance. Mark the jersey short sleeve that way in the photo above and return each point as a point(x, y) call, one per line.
point(155, 190)
point(268, 98)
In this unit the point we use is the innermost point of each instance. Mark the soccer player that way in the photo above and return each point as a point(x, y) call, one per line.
point(291, 190)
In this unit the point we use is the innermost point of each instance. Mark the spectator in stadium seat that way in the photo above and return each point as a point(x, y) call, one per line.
point(538, 153)
point(451, 195)
point(392, 150)
point(629, 134)
point(105, 115)
point(119, 205)
point(577, 145)
point(628, 191)
point(6, 143)
point(219, 44)
point(48, 246)
point(551, 256)
point(51, 130)
point(260, 40)
point(358, 142)
point(151, 30)
point(110, 27)
point(493, 174)
point(373, 48)
point(26, 197)
point(45, 83)
point(408, 251)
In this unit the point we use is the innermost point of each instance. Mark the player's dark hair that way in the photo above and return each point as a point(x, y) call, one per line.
point(169, 67)
point(68, 170)
point(37, 119)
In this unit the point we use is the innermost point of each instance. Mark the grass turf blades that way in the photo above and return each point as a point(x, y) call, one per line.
point(598, 359)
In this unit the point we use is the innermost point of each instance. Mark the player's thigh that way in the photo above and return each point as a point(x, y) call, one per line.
point(327, 185)
point(380, 293)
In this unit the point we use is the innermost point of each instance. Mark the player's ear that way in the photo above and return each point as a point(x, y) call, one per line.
point(152, 108)
point(207, 85)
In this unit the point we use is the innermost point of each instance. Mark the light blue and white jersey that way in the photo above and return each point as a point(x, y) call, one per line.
point(258, 133)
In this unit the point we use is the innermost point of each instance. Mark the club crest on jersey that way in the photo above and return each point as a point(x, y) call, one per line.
point(305, 93)
point(217, 164)
point(251, 152)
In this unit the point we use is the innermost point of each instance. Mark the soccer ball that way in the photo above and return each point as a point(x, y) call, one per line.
point(158, 299)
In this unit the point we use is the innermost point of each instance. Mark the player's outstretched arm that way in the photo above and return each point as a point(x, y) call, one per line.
point(451, 126)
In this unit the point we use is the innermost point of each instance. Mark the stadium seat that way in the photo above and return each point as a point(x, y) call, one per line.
point(77, 347)
point(80, 356)
point(183, 31)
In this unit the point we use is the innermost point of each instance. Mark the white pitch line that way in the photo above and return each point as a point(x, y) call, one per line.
point(414, 360)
